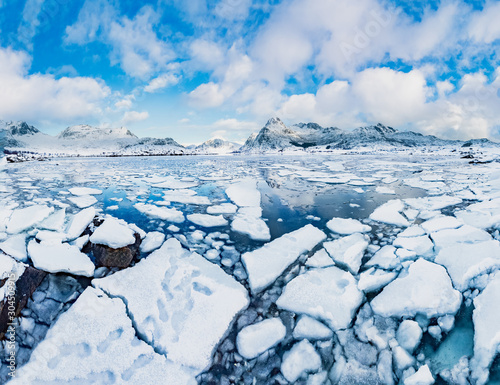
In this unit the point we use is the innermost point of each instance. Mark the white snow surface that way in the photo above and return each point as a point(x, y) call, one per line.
point(257, 338)
point(311, 329)
point(79, 223)
point(248, 221)
point(167, 214)
point(15, 246)
point(346, 226)
point(266, 264)
point(244, 193)
point(348, 251)
point(113, 233)
point(25, 218)
point(79, 191)
point(390, 213)
point(207, 220)
point(180, 303)
point(83, 201)
point(302, 358)
point(152, 241)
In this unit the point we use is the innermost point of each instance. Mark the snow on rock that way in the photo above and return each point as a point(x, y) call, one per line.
point(113, 233)
point(15, 246)
point(440, 223)
point(152, 241)
point(467, 261)
point(56, 257)
point(462, 235)
point(329, 294)
point(223, 208)
point(181, 304)
point(83, 201)
point(426, 289)
point(347, 226)
point(79, 223)
point(248, 221)
point(25, 218)
point(385, 258)
point(320, 259)
point(421, 246)
point(422, 376)
point(348, 250)
point(390, 213)
point(79, 191)
point(207, 220)
point(94, 342)
point(486, 330)
point(311, 329)
point(432, 203)
point(244, 193)
point(167, 214)
point(255, 339)
point(266, 264)
point(302, 358)
point(375, 279)
point(409, 335)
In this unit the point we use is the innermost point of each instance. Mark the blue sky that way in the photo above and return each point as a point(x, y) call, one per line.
point(198, 69)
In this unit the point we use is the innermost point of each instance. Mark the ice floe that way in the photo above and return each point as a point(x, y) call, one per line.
point(113, 233)
point(302, 358)
point(207, 220)
point(257, 338)
point(25, 218)
point(152, 241)
point(79, 191)
point(348, 251)
point(346, 226)
point(83, 201)
point(244, 193)
point(248, 221)
point(167, 214)
point(15, 246)
point(390, 213)
point(311, 329)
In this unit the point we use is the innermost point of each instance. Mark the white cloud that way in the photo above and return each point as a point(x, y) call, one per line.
point(39, 97)
point(207, 95)
point(133, 117)
point(161, 82)
point(484, 26)
point(30, 22)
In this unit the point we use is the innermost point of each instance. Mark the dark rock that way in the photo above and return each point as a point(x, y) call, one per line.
point(122, 257)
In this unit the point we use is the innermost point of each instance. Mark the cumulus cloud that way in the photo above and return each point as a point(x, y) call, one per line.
point(161, 82)
point(133, 117)
point(39, 97)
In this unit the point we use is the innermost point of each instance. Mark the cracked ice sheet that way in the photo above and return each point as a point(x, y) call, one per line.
point(180, 303)
point(94, 342)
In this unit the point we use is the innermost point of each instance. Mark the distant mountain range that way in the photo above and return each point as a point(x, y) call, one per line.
point(19, 138)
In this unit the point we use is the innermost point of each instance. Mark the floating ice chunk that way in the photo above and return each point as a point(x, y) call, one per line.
point(266, 264)
point(302, 358)
point(421, 246)
point(320, 259)
point(97, 333)
point(483, 214)
point(55, 221)
point(83, 201)
point(15, 246)
point(8, 266)
point(462, 235)
point(171, 215)
point(402, 359)
point(348, 250)
point(426, 289)
point(55, 257)
point(79, 191)
point(153, 240)
point(389, 213)
point(248, 221)
point(412, 231)
point(80, 242)
point(185, 196)
point(79, 223)
point(255, 339)
point(329, 294)
point(180, 303)
point(385, 258)
point(486, 330)
point(45, 235)
point(171, 182)
point(467, 261)
point(23, 219)
point(433, 203)
point(223, 208)
point(311, 329)
point(244, 193)
point(385, 190)
point(375, 279)
point(113, 233)
point(409, 335)
point(173, 228)
point(423, 376)
point(334, 166)
point(207, 220)
point(347, 226)
point(389, 180)
point(441, 223)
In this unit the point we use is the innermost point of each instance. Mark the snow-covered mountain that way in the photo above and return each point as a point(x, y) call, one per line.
point(215, 146)
point(84, 131)
point(275, 136)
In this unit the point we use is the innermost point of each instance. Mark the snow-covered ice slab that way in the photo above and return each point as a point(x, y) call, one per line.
point(440, 223)
point(57, 257)
point(466, 261)
point(257, 338)
point(311, 329)
point(79, 223)
point(54, 222)
point(385, 258)
point(180, 303)
point(266, 264)
point(390, 213)
point(207, 220)
point(244, 193)
point(329, 294)
point(486, 318)
point(171, 182)
point(79, 191)
point(302, 358)
point(25, 218)
point(483, 214)
point(83, 201)
point(152, 241)
point(346, 226)
point(113, 233)
point(320, 259)
point(15, 246)
point(433, 203)
point(248, 221)
point(223, 208)
point(462, 235)
point(348, 250)
point(422, 376)
point(426, 289)
point(94, 343)
point(375, 279)
point(421, 246)
point(167, 214)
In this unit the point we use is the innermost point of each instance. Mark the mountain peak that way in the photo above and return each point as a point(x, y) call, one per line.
point(84, 131)
point(19, 128)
